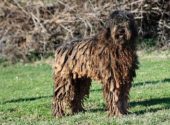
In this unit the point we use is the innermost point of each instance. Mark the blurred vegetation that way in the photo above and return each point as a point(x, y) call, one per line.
point(31, 30)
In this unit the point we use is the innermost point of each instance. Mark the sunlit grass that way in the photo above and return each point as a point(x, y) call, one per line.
point(26, 94)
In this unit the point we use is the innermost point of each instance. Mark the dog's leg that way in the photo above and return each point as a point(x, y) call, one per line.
point(125, 97)
point(114, 99)
point(64, 93)
point(82, 89)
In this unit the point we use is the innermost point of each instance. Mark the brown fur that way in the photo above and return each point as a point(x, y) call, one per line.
point(109, 57)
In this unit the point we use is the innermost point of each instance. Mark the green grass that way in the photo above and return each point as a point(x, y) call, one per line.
point(26, 95)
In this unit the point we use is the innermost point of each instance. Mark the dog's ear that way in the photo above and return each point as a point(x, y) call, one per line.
point(108, 28)
point(108, 32)
point(105, 34)
point(133, 25)
point(114, 14)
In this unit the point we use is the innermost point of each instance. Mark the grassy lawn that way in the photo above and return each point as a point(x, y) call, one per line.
point(26, 95)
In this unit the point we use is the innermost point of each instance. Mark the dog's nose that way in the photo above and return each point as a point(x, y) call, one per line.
point(121, 31)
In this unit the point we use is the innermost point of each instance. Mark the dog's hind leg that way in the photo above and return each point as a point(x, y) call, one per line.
point(82, 89)
point(64, 93)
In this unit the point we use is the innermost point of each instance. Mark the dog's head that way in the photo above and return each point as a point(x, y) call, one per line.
point(121, 27)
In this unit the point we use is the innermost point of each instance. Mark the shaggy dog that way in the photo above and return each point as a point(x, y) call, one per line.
point(109, 57)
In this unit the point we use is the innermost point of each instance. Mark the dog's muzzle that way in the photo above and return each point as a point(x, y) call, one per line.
point(120, 33)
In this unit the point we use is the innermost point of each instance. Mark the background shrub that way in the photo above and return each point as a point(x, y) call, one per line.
point(31, 30)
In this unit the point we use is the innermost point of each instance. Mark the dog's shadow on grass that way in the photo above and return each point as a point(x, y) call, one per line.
point(141, 84)
point(151, 82)
point(25, 99)
point(151, 102)
point(97, 110)
point(147, 103)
